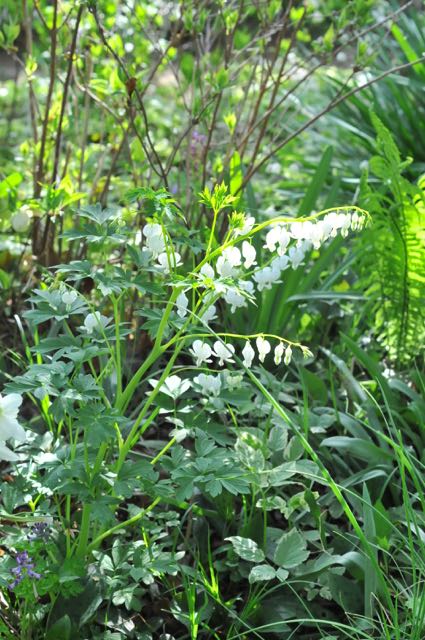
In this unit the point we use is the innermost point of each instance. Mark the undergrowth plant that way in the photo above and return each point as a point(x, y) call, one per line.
point(200, 436)
point(126, 344)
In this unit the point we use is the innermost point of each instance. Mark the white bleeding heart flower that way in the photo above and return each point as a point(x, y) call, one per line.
point(249, 254)
point(247, 286)
point(174, 386)
point(228, 262)
point(224, 268)
point(232, 255)
point(278, 353)
point(288, 355)
point(169, 261)
point(156, 244)
point(210, 385)
point(209, 314)
point(233, 381)
point(152, 229)
point(207, 271)
point(317, 234)
point(279, 264)
point(246, 227)
point(296, 256)
point(69, 297)
point(154, 238)
point(248, 354)
point(297, 230)
point(266, 277)
point(235, 299)
point(95, 321)
point(354, 220)
point(283, 241)
point(345, 227)
point(224, 352)
point(272, 238)
point(263, 347)
point(9, 425)
point(182, 302)
point(337, 221)
point(201, 351)
point(277, 238)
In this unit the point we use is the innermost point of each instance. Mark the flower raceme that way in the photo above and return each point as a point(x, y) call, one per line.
point(234, 273)
point(225, 352)
point(24, 569)
point(289, 242)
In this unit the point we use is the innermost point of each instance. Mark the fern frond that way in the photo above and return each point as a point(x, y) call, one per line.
point(394, 251)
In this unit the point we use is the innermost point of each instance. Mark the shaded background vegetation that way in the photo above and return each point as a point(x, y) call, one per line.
point(296, 106)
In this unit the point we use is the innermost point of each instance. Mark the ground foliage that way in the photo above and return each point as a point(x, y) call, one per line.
point(212, 282)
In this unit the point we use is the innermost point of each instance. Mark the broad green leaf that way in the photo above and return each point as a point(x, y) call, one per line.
point(61, 629)
point(291, 550)
point(315, 385)
point(261, 572)
point(246, 549)
point(282, 574)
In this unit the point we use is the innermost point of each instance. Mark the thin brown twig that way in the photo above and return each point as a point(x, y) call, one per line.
point(32, 97)
point(331, 105)
point(118, 151)
point(276, 87)
point(40, 15)
point(65, 92)
point(253, 125)
point(40, 168)
point(160, 172)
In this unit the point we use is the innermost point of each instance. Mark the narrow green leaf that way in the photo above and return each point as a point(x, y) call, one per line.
point(370, 578)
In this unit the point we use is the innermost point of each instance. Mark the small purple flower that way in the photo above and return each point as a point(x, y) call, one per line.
point(197, 144)
point(24, 568)
point(39, 531)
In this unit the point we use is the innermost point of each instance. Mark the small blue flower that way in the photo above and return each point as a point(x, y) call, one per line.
point(24, 568)
point(39, 531)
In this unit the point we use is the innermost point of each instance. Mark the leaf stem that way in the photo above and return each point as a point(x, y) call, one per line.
point(121, 525)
